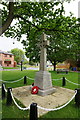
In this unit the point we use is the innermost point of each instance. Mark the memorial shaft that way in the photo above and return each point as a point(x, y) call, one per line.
point(43, 59)
point(43, 55)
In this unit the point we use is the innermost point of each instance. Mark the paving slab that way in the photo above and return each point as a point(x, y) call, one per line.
point(60, 97)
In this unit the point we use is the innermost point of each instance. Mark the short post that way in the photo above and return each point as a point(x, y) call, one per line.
point(33, 112)
point(66, 72)
point(32, 84)
point(63, 81)
point(3, 91)
point(25, 80)
point(57, 71)
point(77, 97)
point(9, 97)
point(21, 65)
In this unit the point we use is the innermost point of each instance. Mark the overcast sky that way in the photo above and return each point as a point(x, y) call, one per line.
point(6, 44)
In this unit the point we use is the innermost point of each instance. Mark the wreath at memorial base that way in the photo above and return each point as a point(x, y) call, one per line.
point(34, 90)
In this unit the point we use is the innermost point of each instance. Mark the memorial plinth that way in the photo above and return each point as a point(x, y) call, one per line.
point(44, 82)
point(43, 77)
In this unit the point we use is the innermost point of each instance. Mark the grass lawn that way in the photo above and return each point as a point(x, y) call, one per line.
point(10, 67)
point(13, 112)
point(19, 66)
point(70, 111)
point(15, 75)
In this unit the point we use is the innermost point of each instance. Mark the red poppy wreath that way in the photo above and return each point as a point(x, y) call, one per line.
point(34, 90)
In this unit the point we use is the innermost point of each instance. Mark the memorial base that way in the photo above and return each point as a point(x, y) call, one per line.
point(46, 92)
point(44, 82)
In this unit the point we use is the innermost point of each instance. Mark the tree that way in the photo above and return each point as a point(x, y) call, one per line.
point(25, 62)
point(9, 19)
point(57, 51)
point(6, 22)
point(34, 18)
point(62, 46)
point(41, 14)
point(18, 54)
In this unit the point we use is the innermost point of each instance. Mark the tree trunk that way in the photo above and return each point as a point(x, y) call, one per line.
point(54, 64)
point(7, 23)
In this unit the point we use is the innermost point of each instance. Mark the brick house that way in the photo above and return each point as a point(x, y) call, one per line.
point(7, 59)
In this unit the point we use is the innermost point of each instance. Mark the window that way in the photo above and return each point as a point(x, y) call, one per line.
point(5, 55)
point(7, 62)
point(10, 55)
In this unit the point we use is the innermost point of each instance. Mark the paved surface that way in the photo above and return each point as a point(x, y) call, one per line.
point(9, 69)
point(60, 97)
point(31, 68)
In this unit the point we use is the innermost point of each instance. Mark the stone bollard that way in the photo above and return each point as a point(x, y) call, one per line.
point(9, 97)
point(57, 71)
point(77, 97)
point(66, 72)
point(3, 91)
point(25, 80)
point(63, 81)
point(33, 112)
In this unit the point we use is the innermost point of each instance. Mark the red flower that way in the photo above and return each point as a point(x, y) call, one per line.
point(34, 90)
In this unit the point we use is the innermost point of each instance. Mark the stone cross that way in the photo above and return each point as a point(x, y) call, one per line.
point(43, 77)
point(43, 55)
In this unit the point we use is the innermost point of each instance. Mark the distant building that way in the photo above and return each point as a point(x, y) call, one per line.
point(7, 59)
point(63, 65)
